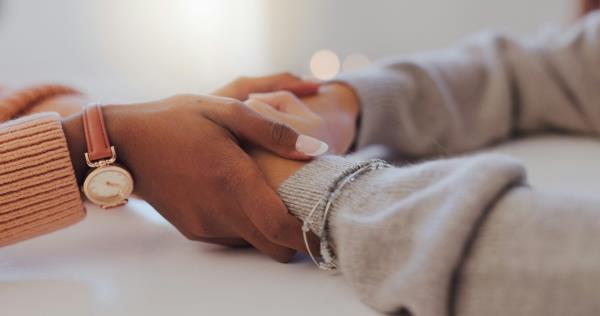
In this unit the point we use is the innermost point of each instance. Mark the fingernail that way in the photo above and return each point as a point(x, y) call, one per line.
point(311, 146)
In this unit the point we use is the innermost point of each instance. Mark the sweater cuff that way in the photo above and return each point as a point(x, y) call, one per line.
point(380, 90)
point(38, 189)
point(312, 184)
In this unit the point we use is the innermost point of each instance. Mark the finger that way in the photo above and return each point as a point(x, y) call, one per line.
point(255, 237)
point(265, 109)
point(243, 86)
point(276, 137)
point(283, 101)
point(289, 82)
point(268, 213)
point(265, 210)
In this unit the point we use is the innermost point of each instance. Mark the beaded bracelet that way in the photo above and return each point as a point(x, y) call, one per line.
point(20, 101)
point(326, 262)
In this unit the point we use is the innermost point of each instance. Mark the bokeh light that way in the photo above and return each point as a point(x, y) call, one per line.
point(355, 62)
point(324, 64)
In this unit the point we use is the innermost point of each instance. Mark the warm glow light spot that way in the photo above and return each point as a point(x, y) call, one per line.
point(173, 46)
point(355, 62)
point(324, 64)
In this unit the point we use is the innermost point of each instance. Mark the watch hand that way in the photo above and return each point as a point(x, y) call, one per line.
point(111, 184)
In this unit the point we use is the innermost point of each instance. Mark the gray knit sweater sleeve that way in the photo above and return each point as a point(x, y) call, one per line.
point(465, 236)
point(398, 233)
point(485, 90)
point(461, 236)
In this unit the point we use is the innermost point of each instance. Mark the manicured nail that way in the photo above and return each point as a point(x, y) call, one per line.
point(311, 146)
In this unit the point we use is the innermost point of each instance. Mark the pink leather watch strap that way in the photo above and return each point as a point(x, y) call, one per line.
point(98, 145)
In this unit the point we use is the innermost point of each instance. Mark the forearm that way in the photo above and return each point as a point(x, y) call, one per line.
point(38, 190)
point(533, 246)
point(275, 169)
point(75, 137)
point(483, 91)
point(450, 234)
point(398, 233)
point(40, 162)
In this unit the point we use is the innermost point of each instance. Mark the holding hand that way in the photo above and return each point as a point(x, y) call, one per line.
point(329, 115)
point(286, 108)
point(185, 157)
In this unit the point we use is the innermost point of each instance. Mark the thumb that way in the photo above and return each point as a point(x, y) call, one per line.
point(246, 124)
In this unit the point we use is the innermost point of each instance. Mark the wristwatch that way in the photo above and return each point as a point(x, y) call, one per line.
point(107, 184)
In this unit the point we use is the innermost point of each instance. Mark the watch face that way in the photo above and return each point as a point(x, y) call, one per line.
point(108, 186)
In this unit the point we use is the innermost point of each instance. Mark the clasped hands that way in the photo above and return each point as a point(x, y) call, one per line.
point(211, 165)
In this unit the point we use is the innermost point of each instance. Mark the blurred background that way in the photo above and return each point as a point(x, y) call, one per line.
point(142, 49)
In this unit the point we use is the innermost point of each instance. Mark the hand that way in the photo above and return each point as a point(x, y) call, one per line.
point(185, 158)
point(339, 106)
point(287, 109)
point(330, 116)
point(240, 88)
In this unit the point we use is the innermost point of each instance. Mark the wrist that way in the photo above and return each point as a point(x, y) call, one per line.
point(74, 133)
point(347, 101)
point(275, 169)
point(338, 105)
point(116, 118)
point(73, 130)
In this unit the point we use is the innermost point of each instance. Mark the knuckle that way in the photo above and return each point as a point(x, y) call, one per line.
point(279, 132)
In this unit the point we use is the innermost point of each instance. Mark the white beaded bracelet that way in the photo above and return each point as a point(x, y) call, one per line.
point(327, 258)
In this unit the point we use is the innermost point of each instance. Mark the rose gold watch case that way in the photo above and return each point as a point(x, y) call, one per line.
point(111, 201)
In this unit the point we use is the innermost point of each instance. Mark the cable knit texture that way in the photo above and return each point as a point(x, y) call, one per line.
point(38, 190)
point(466, 236)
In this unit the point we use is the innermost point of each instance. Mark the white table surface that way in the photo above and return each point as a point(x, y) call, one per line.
point(131, 262)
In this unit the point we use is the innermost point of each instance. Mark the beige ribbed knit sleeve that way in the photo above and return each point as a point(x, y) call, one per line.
point(38, 189)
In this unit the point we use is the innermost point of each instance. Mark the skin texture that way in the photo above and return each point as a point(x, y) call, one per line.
point(186, 158)
point(338, 105)
point(240, 88)
point(331, 116)
point(229, 203)
point(207, 187)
